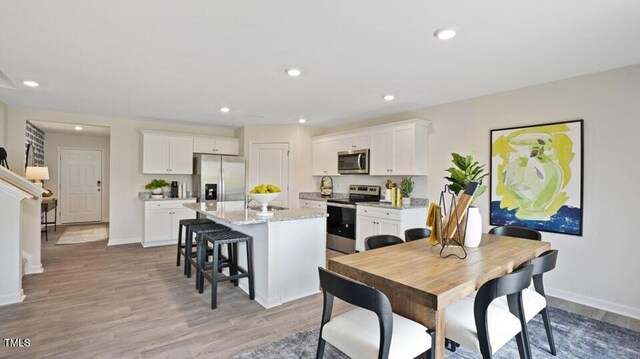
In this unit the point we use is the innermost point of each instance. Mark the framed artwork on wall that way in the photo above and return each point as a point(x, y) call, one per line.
point(537, 177)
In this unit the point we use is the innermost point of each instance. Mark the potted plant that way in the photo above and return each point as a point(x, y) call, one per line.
point(156, 186)
point(406, 187)
point(466, 170)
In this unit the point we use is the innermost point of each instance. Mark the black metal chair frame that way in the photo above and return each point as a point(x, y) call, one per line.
point(217, 239)
point(381, 240)
point(363, 296)
point(413, 234)
point(514, 231)
point(542, 264)
point(198, 230)
point(510, 285)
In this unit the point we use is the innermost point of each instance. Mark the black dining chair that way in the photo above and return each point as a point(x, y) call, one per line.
point(513, 231)
point(414, 234)
point(381, 240)
point(482, 326)
point(367, 330)
point(534, 299)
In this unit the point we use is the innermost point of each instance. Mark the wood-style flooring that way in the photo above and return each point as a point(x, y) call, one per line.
point(132, 302)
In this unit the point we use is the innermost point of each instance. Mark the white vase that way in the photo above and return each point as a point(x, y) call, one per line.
point(157, 191)
point(473, 232)
point(406, 201)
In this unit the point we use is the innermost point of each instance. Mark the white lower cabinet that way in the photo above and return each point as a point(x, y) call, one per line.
point(371, 221)
point(162, 219)
point(311, 204)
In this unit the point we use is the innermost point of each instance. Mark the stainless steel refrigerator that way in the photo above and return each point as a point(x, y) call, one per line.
point(218, 178)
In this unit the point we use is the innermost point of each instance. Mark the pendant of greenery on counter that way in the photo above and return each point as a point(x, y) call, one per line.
point(466, 170)
point(156, 184)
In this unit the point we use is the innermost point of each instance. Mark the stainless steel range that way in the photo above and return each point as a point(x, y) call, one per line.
point(341, 224)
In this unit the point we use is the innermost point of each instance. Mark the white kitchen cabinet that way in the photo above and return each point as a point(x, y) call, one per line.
point(354, 141)
point(371, 220)
point(399, 150)
point(166, 154)
point(396, 149)
point(215, 145)
point(311, 204)
point(162, 219)
point(325, 157)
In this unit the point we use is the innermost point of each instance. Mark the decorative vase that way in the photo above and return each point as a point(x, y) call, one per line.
point(157, 191)
point(473, 231)
point(406, 201)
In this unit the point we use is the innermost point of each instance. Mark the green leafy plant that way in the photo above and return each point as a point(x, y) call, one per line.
point(466, 170)
point(406, 187)
point(156, 183)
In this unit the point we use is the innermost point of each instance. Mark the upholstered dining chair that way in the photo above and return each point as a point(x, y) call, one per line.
point(371, 330)
point(513, 231)
point(480, 325)
point(534, 299)
point(413, 234)
point(381, 240)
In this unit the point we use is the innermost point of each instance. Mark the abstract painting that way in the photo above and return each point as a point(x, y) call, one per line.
point(536, 177)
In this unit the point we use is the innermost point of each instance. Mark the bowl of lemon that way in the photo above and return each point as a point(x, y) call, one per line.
point(264, 194)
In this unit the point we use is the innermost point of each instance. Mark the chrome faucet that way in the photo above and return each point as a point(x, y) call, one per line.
point(247, 199)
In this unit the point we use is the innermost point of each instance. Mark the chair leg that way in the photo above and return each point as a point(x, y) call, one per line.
point(320, 351)
point(188, 253)
point(547, 327)
point(214, 276)
point(521, 346)
point(233, 260)
point(179, 244)
point(199, 265)
point(249, 245)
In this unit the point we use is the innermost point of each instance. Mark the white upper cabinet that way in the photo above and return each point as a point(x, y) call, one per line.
point(354, 141)
point(325, 156)
point(215, 145)
point(166, 154)
point(397, 149)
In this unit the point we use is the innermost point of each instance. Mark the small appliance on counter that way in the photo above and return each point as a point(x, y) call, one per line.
point(175, 189)
point(326, 186)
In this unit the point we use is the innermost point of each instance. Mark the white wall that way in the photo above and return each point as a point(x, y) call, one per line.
point(125, 212)
point(53, 141)
point(299, 139)
point(601, 268)
point(3, 123)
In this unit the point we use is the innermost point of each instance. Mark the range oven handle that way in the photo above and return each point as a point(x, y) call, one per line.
point(341, 205)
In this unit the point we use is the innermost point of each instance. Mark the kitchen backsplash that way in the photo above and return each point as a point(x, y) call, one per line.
point(341, 183)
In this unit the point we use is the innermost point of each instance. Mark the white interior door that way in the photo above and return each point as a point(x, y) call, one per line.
point(270, 165)
point(80, 185)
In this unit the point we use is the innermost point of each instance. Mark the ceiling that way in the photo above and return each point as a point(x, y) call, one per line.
point(183, 60)
point(60, 127)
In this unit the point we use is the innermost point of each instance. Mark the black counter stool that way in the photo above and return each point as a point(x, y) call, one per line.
point(235, 271)
point(198, 230)
point(187, 223)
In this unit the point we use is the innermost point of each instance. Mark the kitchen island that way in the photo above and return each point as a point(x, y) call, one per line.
point(288, 248)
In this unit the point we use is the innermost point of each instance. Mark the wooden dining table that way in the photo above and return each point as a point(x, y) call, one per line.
point(420, 284)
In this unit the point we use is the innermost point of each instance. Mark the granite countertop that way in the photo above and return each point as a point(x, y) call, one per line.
point(413, 205)
point(236, 214)
point(315, 196)
point(168, 199)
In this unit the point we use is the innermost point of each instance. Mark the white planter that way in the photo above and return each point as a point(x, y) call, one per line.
point(406, 201)
point(473, 232)
point(157, 191)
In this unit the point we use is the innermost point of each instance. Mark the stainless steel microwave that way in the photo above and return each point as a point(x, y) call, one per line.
point(353, 162)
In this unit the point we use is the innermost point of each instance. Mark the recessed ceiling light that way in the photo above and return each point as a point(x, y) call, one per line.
point(389, 97)
point(294, 72)
point(224, 109)
point(302, 120)
point(445, 33)
point(78, 128)
point(30, 83)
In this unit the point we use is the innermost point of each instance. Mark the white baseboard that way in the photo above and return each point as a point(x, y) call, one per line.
point(165, 242)
point(7, 299)
point(119, 241)
point(595, 303)
point(33, 269)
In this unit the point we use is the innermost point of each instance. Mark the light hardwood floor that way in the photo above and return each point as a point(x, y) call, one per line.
point(131, 302)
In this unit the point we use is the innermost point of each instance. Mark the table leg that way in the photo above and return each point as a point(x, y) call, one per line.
point(439, 349)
